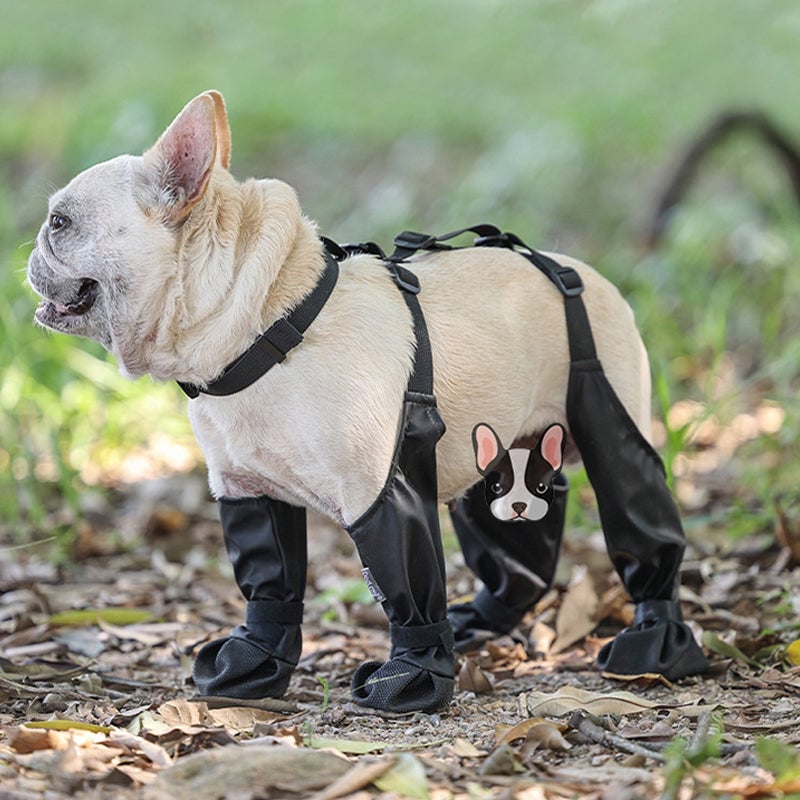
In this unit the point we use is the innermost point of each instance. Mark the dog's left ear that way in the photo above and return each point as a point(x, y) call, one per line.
point(182, 160)
point(552, 445)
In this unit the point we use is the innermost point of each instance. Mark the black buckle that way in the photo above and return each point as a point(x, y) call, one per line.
point(568, 281)
point(404, 278)
point(411, 240)
point(189, 389)
point(494, 240)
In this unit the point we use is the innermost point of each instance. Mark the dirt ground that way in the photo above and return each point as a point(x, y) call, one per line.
point(102, 706)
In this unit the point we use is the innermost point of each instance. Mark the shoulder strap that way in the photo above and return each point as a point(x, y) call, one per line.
point(271, 347)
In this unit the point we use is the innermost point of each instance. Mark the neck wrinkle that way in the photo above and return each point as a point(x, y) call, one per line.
point(257, 244)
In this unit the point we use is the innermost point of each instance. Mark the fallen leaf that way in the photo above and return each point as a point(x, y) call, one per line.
point(576, 617)
point(471, 678)
point(463, 749)
point(406, 778)
point(362, 774)
point(793, 653)
point(67, 725)
point(536, 731)
point(569, 698)
point(713, 642)
point(644, 678)
point(92, 616)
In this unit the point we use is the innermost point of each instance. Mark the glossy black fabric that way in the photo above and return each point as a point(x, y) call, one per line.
point(400, 547)
point(641, 525)
point(266, 543)
point(516, 561)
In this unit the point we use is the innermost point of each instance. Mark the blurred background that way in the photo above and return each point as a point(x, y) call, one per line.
point(562, 121)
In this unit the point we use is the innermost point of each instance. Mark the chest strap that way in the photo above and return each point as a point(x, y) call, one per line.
point(271, 347)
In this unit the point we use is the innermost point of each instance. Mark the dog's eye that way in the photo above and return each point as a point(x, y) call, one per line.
point(58, 221)
point(496, 488)
point(541, 488)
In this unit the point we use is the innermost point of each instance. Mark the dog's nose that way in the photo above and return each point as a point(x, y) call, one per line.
point(519, 508)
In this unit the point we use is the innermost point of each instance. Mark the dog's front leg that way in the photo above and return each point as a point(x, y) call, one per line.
point(400, 547)
point(266, 543)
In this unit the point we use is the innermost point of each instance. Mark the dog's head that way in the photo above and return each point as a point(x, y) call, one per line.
point(103, 255)
point(519, 481)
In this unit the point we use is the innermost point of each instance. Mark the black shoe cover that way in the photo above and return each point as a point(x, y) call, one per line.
point(418, 678)
point(641, 524)
point(516, 561)
point(266, 543)
point(400, 547)
point(658, 640)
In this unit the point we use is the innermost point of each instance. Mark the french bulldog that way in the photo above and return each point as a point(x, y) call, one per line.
point(175, 267)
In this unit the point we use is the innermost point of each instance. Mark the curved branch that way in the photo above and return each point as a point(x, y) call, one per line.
point(688, 164)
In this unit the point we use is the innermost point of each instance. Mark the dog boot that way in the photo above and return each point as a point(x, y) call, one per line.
point(516, 561)
point(266, 543)
point(642, 528)
point(399, 544)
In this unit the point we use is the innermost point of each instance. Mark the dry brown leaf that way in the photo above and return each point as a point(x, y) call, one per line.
point(535, 730)
point(541, 638)
point(361, 775)
point(569, 698)
point(463, 749)
point(576, 617)
point(471, 678)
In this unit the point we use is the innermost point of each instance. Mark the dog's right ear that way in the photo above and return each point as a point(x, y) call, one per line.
point(487, 446)
point(182, 160)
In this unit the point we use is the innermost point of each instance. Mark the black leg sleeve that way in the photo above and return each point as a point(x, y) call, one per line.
point(399, 544)
point(516, 562)
point(642, 528)
point(266, 543)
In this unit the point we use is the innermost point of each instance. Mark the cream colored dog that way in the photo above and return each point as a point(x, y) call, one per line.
point(176, 267)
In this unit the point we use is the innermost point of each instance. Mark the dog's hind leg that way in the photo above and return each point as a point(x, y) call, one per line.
point(266, 543)
point(516, 561)
point(641, 524)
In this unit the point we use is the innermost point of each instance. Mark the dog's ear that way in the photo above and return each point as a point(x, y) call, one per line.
point(487, 446)
point(552, 445)
point(182, 160)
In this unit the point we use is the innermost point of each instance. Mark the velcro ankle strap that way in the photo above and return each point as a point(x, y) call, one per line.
point(262, 612)
point(414, 636)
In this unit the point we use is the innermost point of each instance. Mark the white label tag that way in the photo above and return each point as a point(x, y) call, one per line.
point(372, 585)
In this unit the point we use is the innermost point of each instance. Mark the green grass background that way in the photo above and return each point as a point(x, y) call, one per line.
point(555, 119)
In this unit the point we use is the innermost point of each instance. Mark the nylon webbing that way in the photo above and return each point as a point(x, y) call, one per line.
point(272, 346)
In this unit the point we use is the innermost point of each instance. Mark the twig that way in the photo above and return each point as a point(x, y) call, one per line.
point(590, 728)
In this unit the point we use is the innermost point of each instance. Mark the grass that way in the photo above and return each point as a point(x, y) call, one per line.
point(555, 120)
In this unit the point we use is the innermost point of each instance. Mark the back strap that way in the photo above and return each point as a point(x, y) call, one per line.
point(565, 279)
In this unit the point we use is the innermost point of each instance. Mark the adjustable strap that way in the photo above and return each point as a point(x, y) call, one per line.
point(413, 636)
point(262, 612)
point(271, 347)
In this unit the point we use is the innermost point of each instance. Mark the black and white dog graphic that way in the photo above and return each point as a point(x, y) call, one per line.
point(519, 481)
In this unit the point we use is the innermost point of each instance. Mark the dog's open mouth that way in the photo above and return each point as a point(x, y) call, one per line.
point(84, 300)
